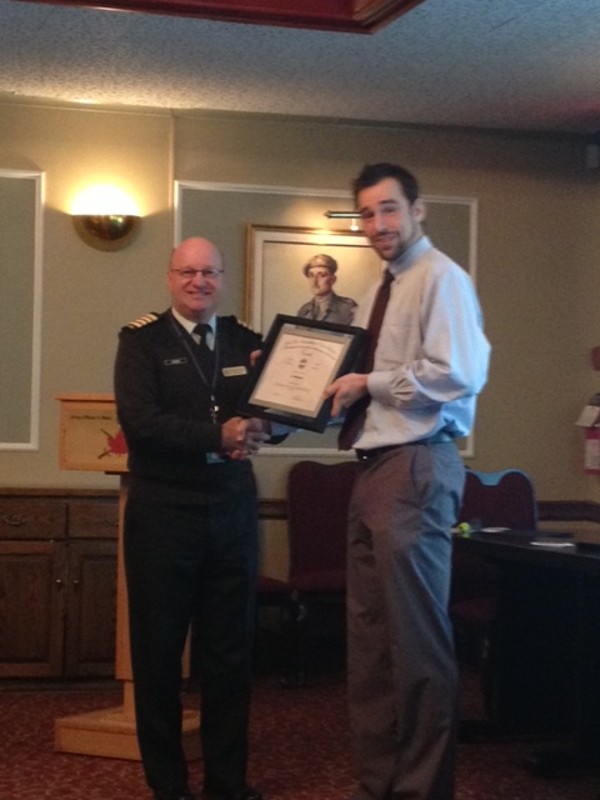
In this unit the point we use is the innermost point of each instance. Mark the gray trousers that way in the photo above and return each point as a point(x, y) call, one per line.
point(402, 676)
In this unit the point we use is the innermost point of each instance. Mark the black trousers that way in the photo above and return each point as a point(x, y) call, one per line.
point(198, 562)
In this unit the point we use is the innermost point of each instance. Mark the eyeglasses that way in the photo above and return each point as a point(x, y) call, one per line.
point(189, 274)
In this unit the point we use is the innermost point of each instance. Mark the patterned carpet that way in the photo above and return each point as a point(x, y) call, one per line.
point(299, 743)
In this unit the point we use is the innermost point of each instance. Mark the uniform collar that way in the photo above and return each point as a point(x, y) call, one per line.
point(189, 325)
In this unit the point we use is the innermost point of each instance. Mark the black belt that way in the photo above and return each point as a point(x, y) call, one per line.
point(437, 438)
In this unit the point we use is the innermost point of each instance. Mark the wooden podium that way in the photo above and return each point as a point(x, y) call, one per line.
point(90, 439)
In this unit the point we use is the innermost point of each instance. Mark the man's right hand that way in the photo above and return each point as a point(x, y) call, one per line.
point(241, 437)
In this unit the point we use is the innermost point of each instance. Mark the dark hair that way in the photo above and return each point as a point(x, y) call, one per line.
point(373, 173)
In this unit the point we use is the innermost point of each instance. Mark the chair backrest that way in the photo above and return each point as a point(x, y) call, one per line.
point(500, 499)
point(318, 497)
point(504, 499)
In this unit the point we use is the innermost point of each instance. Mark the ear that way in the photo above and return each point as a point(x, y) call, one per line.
point(419, 210)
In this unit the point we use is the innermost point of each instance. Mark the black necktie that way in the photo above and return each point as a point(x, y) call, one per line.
point(355, 416)
point(207, 357)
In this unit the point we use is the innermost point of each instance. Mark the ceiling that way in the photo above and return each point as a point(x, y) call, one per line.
point(531, 65)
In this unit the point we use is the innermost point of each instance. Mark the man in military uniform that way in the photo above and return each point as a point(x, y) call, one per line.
point(190, 534)
point(326, 304)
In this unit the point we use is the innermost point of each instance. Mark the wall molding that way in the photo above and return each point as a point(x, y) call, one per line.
point(273, 508)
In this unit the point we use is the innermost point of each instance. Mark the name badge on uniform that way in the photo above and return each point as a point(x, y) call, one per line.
point(173, 362)
point(234, 372)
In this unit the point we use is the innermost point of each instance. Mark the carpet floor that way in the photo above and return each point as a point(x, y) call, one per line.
point(300, 750)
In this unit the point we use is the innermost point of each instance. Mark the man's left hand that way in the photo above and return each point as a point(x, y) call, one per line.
point(346, 390)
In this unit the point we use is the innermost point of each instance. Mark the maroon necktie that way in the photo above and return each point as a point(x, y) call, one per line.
point(355, 416)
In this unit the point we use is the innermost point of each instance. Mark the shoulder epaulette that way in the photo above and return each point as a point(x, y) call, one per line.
point(236, 321)
point(147, 319)
point(242, 323)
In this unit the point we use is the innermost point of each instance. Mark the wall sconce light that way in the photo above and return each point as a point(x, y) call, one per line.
point(352, 215)
point(106, 231)
point(105, 217)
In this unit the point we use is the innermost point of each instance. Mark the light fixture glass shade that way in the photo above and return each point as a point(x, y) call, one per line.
point(342, 214)
point(106, 231)
point(353, 216)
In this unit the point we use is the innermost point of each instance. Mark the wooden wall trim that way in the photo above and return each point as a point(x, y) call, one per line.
point(58, 494)
point(276, 508)
point(560, 510)
point(272, 509)
point(569, 510)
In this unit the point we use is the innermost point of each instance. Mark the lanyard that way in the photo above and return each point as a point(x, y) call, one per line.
point(210, 384)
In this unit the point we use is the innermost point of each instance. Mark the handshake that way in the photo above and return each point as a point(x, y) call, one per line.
point(241, 438)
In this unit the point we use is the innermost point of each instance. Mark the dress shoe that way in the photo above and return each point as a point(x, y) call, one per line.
point(246, 794)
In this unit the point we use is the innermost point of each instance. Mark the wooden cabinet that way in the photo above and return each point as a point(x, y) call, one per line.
point(58, 566)
point(91, 609)
point(31, 608)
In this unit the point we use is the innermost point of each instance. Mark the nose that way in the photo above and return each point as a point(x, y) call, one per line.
point(378, 220)
point(199, 279)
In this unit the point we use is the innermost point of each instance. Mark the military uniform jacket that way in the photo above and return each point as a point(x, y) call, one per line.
point(339, 310)
point(164, 405)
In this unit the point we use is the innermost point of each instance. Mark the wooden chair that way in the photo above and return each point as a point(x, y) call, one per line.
point(318, 497)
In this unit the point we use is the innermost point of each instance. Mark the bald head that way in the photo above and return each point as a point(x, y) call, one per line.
point(195, 247)
point(195, 278)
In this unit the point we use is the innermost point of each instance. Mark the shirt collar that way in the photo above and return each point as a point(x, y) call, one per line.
point(408, 257)
point(189, 324)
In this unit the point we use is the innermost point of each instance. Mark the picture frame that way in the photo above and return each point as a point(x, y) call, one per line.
point(275, 279)
point(299, 359)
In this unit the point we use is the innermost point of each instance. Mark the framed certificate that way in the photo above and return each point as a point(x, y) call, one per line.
point(300, 358)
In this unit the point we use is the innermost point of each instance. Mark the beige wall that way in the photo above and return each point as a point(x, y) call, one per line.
point(539, 240)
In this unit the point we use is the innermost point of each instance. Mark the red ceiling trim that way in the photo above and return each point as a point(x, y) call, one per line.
point(374, 14)
point(344, 16)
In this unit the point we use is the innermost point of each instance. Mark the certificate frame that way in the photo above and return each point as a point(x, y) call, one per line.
point(299, 359)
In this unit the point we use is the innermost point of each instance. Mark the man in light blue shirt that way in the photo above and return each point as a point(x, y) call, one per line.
point(430, 362)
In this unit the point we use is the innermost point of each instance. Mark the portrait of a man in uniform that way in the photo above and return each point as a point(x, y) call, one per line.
point(320, 270)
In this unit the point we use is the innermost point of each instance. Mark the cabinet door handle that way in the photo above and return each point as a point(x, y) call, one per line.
point(15, 520)
point(76, 582)
point(59, 582)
